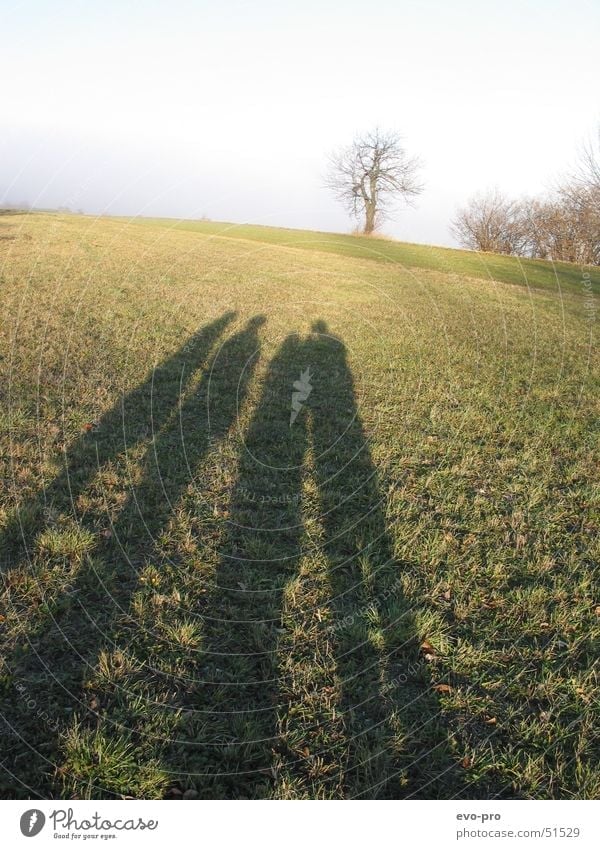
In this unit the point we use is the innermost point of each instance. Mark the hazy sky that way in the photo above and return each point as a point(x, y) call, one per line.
point(228, 109)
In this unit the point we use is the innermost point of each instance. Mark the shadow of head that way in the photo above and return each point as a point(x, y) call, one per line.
point(256, 322)
point(320, 326)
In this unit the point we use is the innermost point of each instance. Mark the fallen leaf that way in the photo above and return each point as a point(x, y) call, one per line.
point(491, 720)
point(428, 651)
point(466, 762)
point(442, 688)
point(447, 595)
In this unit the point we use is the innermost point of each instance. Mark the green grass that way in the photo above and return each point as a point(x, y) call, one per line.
point(394, 597)
point(559, 276)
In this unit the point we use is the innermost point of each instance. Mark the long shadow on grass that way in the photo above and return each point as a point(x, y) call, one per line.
point(138, 414)
point(44, 674)
point(264, 718)
point(396, 742)
point(229, 750)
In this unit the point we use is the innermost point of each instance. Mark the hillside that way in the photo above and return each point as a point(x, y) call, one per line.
point(505, 269)
point(293, 515)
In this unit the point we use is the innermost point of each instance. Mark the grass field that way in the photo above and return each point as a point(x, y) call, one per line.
point(394, 595)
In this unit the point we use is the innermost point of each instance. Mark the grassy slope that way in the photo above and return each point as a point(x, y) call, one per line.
point(407, 609)
point(526, 272)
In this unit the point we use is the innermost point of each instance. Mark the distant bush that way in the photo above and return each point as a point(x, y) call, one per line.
point(564, 226)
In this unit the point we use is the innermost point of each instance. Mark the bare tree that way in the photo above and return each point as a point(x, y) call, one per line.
point(574, 234)
point(582, 207)
point(566, 226)
point(562, 226)
point(372, 174)
point(588, 172)
point(491, 223)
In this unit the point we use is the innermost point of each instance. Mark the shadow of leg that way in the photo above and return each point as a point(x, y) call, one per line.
point(396, 744)
point(159, 637)
point(232, 729)
point(46, 665)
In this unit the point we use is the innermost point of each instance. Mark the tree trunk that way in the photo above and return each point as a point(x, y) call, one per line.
point(369, 218)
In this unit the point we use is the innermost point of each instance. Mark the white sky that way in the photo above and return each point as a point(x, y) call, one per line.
point(228, 109)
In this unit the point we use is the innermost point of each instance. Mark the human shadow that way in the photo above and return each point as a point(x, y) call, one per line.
point(228, 750)
point(392, 741)
point(396, 742)
point(133, 419)
point(66, 640)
